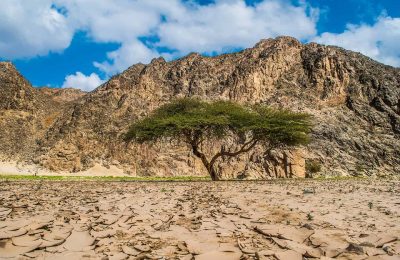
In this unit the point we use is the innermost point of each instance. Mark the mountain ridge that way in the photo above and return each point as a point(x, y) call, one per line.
point(355, 102)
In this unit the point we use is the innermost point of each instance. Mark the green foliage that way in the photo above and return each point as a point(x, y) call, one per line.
point(7, 178)
point(194, 121)
point(313, 166)
point(186, 117)
point(360, 169)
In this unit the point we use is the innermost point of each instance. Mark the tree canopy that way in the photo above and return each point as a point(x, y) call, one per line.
point(195, 121)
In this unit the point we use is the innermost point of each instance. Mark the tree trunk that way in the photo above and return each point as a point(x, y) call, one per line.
point(210, 167)
point(213, 173)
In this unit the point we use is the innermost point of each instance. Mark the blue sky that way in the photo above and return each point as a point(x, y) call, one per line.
point(81, 43)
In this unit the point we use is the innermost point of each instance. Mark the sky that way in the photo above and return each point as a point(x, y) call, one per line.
point(82, 43)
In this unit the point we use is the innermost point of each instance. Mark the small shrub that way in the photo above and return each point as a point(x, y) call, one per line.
point(312, 167)
point(39, 142)
point(359, 170)
point(359, 167)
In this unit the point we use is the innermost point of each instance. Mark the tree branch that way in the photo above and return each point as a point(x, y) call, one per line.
point(245, 148)
point(194, 140)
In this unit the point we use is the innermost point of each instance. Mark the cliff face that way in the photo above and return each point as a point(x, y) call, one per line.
point(26, 113)
point(21, 110)
point(355, 102)
point(16, 92)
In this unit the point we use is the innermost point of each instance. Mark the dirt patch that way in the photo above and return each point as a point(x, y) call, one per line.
point(347, 219)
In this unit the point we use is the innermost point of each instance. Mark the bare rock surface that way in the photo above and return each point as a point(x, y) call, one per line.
point(27, 113)
point(355, 219)
point(355, 102)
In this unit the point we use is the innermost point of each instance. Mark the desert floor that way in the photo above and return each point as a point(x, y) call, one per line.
point(288, 219)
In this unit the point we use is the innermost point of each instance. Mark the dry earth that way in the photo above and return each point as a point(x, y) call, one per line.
point(292, 219)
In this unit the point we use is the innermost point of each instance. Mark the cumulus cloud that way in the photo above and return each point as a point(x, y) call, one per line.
point(379, 41)
point(113, 20)
point(32, 28)
point(182, 26)
point(175, 27)
point(233, 24)
point(128, 54)
point(83, 82)
point(37, 27)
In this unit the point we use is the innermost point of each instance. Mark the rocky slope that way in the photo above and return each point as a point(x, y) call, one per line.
point(21, 111)
point(355, 102)
point(26, 113)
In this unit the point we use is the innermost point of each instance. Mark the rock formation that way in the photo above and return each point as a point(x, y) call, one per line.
point(355, 102)
point(26, 113)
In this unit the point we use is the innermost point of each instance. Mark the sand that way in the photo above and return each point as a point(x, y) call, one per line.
point(293, 219)
point(23, 169)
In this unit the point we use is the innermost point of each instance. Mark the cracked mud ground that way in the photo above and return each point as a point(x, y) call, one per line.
point(354, 219)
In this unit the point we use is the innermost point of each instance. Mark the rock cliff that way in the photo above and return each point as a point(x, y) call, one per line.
point(355, 102)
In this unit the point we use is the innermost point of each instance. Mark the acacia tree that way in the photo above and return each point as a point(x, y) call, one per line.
point(195, 121)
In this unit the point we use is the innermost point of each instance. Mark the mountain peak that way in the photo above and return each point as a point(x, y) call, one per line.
point(355, 103)
point(7, 69)
point(278, 41)
point(6, 65)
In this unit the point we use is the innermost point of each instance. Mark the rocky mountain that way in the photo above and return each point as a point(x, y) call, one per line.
point(26, 113)
point(355, 102)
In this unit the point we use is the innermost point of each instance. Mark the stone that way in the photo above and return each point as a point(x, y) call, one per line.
point(355, 249)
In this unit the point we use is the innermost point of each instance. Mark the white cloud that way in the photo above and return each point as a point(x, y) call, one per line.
point(37, 27)
point(113, 20)
point(379, 41)
point(31, 28)
point(233, 24)
point(83, 82)
point(129, 54)
point(183, 26)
